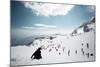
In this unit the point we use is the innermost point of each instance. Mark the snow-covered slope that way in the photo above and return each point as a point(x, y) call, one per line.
point(86, 27)
point(57, 48)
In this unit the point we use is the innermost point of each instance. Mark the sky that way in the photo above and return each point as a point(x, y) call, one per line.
point(35, 17)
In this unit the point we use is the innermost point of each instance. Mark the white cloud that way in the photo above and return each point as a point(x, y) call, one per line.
point(39, 27)
point(45, 26)
point(48, 9)
point(33, 28)
point(28, 27)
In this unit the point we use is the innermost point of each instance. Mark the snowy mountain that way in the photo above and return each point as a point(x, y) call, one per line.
point(86, 27)
point(57, 48)
point(28, 40)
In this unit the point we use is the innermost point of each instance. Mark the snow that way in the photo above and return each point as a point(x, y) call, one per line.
point(56, 50)
point(86, 27)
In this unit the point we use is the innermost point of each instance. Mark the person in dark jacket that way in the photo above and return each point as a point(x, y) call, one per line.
point(37, 54)
point(68, 52)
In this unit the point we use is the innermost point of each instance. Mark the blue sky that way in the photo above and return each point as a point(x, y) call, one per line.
point(36, 16)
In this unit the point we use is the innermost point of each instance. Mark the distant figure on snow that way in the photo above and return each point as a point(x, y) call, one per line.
point(82, 44)
point(37, 54)
point(68, 52)
point(56, 49)
point(82, 51)
point(50, 50)
point(87, 45)
point(59, 53)
point(87, 54)
point(51, 37)
point(75, 51)
point(64, 49)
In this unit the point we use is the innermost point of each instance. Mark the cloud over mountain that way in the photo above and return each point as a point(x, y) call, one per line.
point(48, 9)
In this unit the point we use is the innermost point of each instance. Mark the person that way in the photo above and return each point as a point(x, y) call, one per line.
point(82, 44)
point(82, 51)
point(87, 45)
point(37, 54)
point(75, 51)
point(87, 55)
point(68, 52)
point(51, 37)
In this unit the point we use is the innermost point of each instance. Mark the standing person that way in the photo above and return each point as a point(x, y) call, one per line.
point(75, 51)
point(87, 45)
point(82, 51)
point(68, 52)
point(37, 54)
